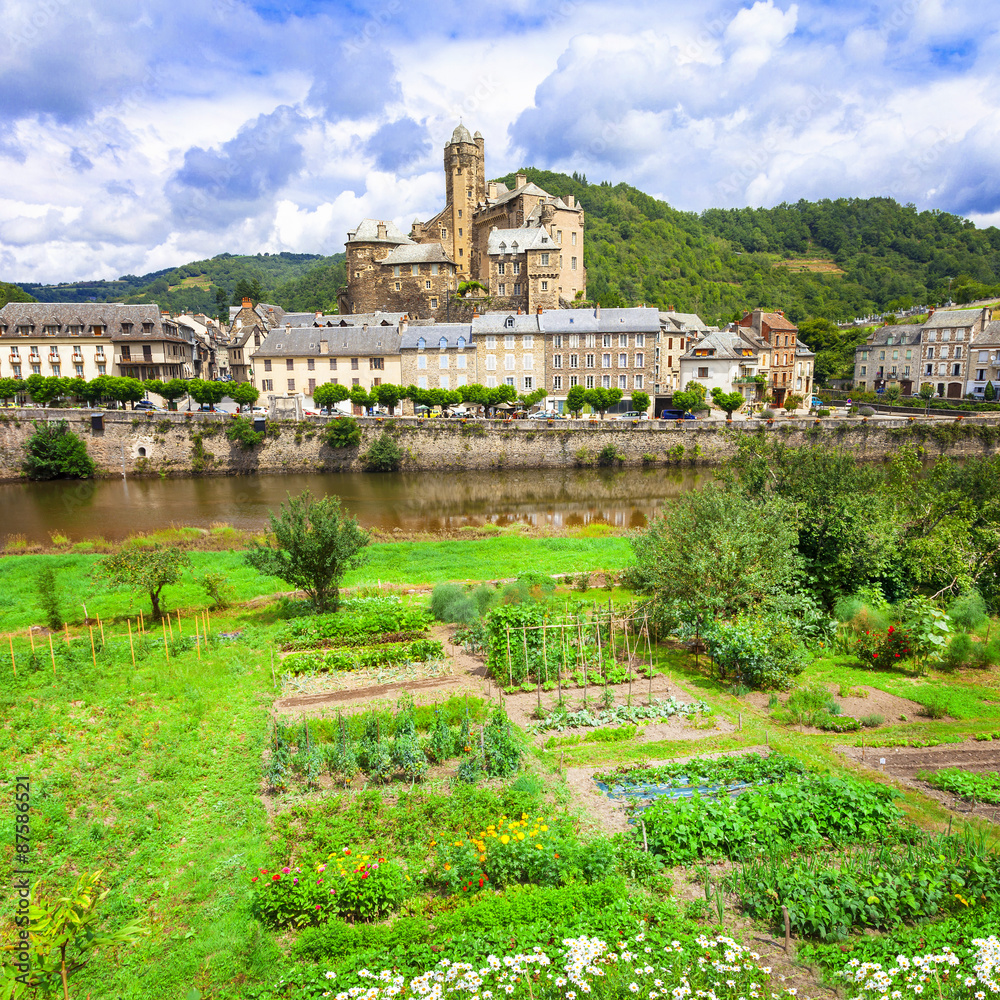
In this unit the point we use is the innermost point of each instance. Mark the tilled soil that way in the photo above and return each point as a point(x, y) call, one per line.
point(873, 702)
point(903, 764)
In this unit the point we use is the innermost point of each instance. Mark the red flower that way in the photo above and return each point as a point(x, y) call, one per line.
point(254, 879)
point(874, 656)
point(897, 655)
point(275, 878)
point(891, 630)
point(364, 874)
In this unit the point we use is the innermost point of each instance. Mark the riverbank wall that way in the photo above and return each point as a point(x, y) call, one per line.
point(179, 444)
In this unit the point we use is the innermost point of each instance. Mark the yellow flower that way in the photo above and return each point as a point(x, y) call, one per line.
point(520, 836)
point(457, 843)
point(447, 868)
point(544, 828)
point(538, 846)
point(505, 839)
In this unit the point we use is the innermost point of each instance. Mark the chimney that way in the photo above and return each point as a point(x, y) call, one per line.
point(383, 232)
point(930, 312)
point(521, 180)
point(597, 311)
point(247, 304)
point(288, 328)
point(540, 310)
point(491, 192)
point(319, 312)
point(475, 312)
point(324, 347)
point(571, 201)
point(519, 310)
point(403, 324)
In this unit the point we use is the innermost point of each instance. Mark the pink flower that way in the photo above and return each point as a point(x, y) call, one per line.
point(285, 871)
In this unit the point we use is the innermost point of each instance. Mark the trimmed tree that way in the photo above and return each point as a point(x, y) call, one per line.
point(989, 393)
point(728, 401)
point(145, 568)
point(387, 395)
point(640, 401)
point(10, 387)
point(169, 391)
point(576, 399)
point(602, 399)
point(210, 393)
point(330, 394)
point(315, 544)
point(243, 394)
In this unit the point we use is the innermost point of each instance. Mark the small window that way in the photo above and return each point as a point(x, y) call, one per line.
point(267, 364)
point(545, 286)
point(291, 385)
point(354, 364)
point(290, 364)
point(311, 364)
point(509, 322)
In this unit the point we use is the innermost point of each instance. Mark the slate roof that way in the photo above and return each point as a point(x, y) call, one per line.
point(431, 335)
point(367, 232)
point(803, 350)
point(365, 319)
point(945, 318)
point(777, 322)
point(530, 188)
point(85, 314)
point(418, 253)
point(902, 333)
point(303, 342)
point(534, 238)
point(990, 335)
point(728, 345)
point(685, 322)
point(630, 319)
point(461, 134)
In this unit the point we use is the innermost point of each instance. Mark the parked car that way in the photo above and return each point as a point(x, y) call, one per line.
point(146, 404)
point(676, 415)
point(545, 415)
point(816, 403)
point(633, 415)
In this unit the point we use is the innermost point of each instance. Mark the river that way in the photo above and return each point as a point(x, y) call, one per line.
point(425, 502)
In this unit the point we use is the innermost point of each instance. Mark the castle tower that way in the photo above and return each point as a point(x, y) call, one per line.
point(465, 188)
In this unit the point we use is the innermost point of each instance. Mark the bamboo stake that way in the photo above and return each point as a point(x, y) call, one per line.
point(649, 649)
point(52, 653)
point(545, 658)
point(628, 660)
point(13, 662)
point(166, 648)
point(100, 624)
point(600, 659)
point(170, 625)
point(142, 623)
point(197, 637)
point(31, 637)
point(130, 645)
point(93, 652)
point(66, 627)
point(208, 622)
point(579, 658)
point(179, 629)
point(510, 669)
point(538, 679)
point(84, 606)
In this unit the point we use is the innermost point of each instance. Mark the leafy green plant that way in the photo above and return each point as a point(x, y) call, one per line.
point(968, 610)
point(383, 455)
point(343, 432)
point(240, 431)
point(48, 597)
point(219, 590)
point(983, 787)
point(147, 568)
point(55, 452)
point(759, 650)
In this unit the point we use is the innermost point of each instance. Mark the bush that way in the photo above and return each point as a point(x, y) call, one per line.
point(872, 721)
point(55, 452)
point(383, 455)
point(767, 414)
point(968, 610)
point(608, 455)
point(240, 431)
point(823, 412)
point(866, 411)
point(48, 598)
point(343, 432)
point(219, 590)
point(884, 650)
point(759, 650)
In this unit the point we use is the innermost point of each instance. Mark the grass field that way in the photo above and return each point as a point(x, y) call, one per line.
point(154, 774)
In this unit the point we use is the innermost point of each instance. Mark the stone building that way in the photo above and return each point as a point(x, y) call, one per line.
point(678, 331)
point(511, 350)
point(778, 337)
point(419, 274)
point(890, 356)
point(294, 360)
point(945, 342)
point(437, 356)
point(984, 361)
point(88, 339)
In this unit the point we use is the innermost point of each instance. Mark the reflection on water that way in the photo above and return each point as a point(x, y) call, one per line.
point(424, 501)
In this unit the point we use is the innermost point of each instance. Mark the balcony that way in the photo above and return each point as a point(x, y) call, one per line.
point(750, 380)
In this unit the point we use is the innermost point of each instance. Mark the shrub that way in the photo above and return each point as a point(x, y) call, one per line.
point(608, 455)
point(343, 432)
point(884, 650)
point(872, 721)
point(48, 598)
point(55, 452)
point(240, 431)
point(759, 650)
point(823, 412)
point(968, 610)
point(219, 590)
point(767, 414)
point(383, 455)
point(866, 411)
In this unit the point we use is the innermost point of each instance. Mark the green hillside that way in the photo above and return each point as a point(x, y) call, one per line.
point(13, 293)
point(300, 281)
point(830, 259)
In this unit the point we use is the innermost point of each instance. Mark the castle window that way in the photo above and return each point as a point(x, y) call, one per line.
point(557, 382)
point(443, 361)
point(606, 381)
point(508, 342)
point(605, 360)
point(640, 340)
point(528, 382)
point(503, 248)
point(508, 362)
point(461, 343)
point(544, 259)
point(557, 361)
point(527, 340)
point(459, 232)
point(460, 216)
point(491, 362)
point(640, 360)
point(517, 287)
point(517, 267)
point(333, 364)
point(590, 362)
point(291, 385)
point(395, 271)
point(434, 303)
point(398, 285)
point(354, 364)
point(572, 238)
point(444, 233)
point(637, 382)
point(623, 361)
point(461, 252)
point(545, 286)
point(501, 268)
point(434, 269)
point(513, 247)
point(422, 361)
point(502, 289)
point(573, 380)
point(460, 361)
point(558, 236)
point(623, 381)
point(267, 365)
point(427, 285)
point(574, 361)
point(290, 363)
point(414, 269)
point(589, 382)
point(509, 322)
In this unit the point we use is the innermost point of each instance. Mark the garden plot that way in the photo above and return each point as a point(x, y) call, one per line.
point(822, 707)
point(906, 764)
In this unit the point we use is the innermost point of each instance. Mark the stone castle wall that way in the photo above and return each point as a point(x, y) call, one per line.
point(175, 444)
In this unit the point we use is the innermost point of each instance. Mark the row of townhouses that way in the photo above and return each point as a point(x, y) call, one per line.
point(957, 351)
point(631, 349)
point(88, 339)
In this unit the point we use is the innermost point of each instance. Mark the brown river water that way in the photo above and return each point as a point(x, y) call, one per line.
point(412, 502)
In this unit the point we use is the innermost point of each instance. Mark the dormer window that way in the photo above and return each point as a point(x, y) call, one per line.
point(421, 343)
point(509, 322)
point(443, 343)
point(503, 248)
point(461, 343)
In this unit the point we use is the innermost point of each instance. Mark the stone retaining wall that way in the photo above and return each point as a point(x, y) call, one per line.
point(178, 444)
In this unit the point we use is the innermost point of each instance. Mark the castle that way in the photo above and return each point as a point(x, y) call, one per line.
point(523, 246)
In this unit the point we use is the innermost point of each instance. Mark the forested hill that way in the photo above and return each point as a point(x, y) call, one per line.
point(832, 259)
point(296, 281)
point(12, 293)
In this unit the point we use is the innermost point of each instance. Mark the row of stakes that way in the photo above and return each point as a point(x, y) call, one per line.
point(202, 628)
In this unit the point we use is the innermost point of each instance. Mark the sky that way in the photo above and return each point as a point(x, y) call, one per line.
point(141, 135)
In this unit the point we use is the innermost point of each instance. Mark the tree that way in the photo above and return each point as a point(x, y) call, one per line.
point(576, 399)
point(315, 544)
point(330, 394)
point(714, 553)
point(55, 452)
point(10, 387)
point(124, 389)
point(728, 401)
point(792, 402)
point(892, 393)
point(989, 393)
point(499, 395)
point(94, 390)
point(343, 432)
point(387, 395)
point(44, 389)
point(601, 399)
point(248, 288)
point(640, 401)
point(243, 393)
point(527, 400)
point(926, 394)
point(383, 455)
point(204, 392)
point(169, 391)
point(146, 568)
point(67, 933)
point(360, 397)
point(687, 400)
